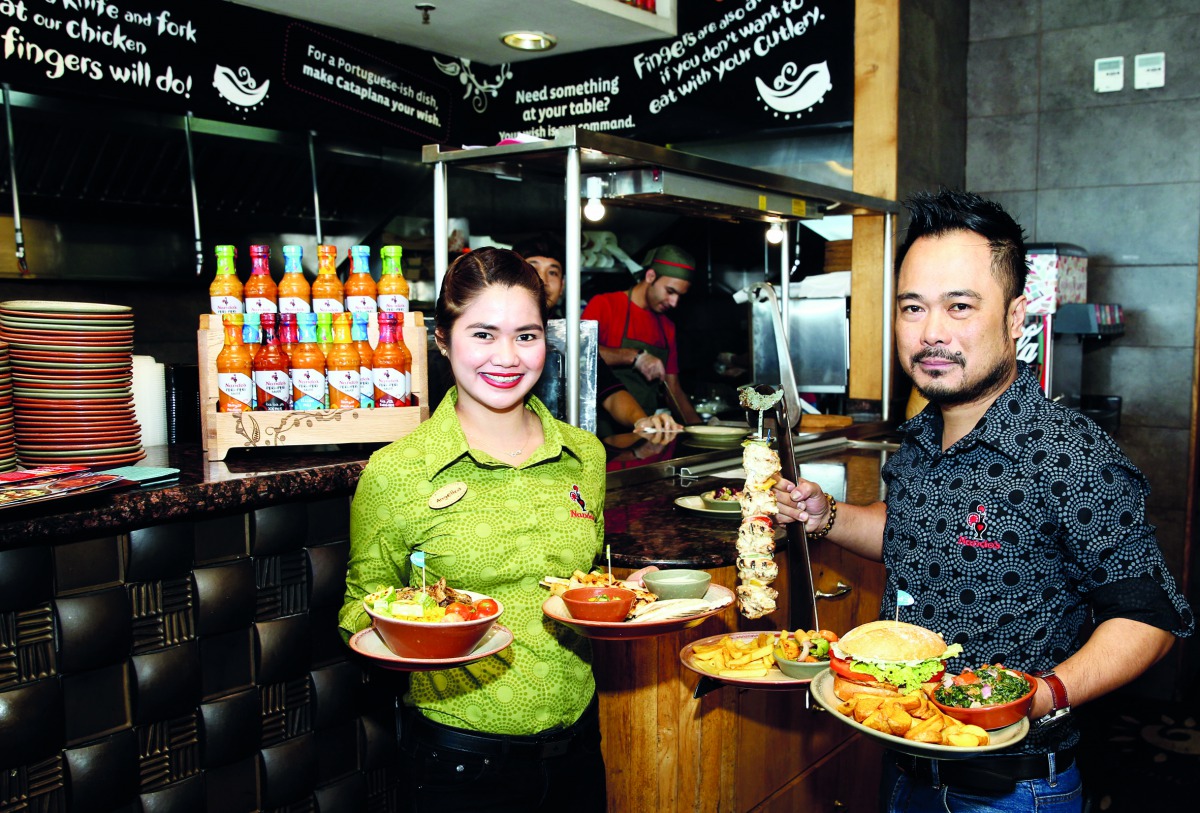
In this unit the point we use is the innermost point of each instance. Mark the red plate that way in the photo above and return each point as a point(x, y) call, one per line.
point(104, 425)
point(106, 357)
point(368, 644)
point(83, 459)
point(554, 608)
point(19, 335)
point(773, 681)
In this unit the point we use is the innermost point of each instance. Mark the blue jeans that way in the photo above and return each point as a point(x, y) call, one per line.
point(903, 795)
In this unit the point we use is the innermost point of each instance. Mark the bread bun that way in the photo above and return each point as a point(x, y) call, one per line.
point(845, 689)
point(892, 641)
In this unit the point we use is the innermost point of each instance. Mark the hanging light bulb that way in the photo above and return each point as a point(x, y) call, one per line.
point(775, 234)
point(594, 210)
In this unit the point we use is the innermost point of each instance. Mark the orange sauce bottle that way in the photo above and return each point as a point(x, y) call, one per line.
point(358, 335)
point(310, 389)
point(327, 289)
point(225, 292)
point(388, 365)
point(235, 387)
point(261, 293)
point(360, 287)
point(289, 332)
point(271, 370)
point(392, 290)
point(341, 365)
point(295, 294)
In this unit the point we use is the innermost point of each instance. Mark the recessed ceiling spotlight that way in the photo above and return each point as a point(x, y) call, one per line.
point(529, 40)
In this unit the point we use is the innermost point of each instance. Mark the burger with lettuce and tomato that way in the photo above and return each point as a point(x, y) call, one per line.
point(887, 658)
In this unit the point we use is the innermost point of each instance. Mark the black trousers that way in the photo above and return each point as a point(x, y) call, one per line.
point(452, 769)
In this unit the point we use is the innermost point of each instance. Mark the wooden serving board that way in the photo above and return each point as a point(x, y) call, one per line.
point(247, 430)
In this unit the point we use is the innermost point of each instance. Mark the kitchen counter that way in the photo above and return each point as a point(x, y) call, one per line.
point(240, 483)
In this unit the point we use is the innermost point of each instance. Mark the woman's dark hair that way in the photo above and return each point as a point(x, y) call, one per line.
point(937, 213)
point(472, 273)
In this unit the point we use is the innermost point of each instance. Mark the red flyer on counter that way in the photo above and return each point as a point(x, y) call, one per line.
point(39, 473)
point(52, 489)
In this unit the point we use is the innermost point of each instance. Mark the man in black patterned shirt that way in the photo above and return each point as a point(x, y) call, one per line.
point(1016, 524)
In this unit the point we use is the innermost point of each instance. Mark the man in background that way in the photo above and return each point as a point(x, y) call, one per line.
point(638, 340)
point(547, 255)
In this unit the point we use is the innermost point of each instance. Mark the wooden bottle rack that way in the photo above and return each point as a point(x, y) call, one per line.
point(256, 430)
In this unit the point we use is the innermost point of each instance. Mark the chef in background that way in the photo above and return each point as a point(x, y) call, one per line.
point(638, 340)
point(547, 254)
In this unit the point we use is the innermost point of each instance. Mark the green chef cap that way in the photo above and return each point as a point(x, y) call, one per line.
point(670, 261)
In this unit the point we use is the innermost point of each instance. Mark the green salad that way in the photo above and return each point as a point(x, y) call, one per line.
point(985, 686)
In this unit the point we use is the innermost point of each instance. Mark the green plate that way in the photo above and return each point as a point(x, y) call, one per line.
point(55, 306)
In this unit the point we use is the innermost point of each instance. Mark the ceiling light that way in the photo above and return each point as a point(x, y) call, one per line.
point(529, 40)
point(775, 234)
point(594, 210)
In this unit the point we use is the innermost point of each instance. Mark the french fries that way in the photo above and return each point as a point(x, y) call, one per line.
point(914, 718)
point(733, 657)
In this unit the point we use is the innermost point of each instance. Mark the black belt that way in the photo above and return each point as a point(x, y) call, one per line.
point(995, 774)
point(554, 742)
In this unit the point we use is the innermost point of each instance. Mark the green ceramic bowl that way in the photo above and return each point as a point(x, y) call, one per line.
point(668, 584)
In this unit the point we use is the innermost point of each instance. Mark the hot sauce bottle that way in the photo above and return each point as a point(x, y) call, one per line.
point(325, 332)
point(327, 289)
point(358, 335)
point(310, 389)
point(387, 368)
point(392, 291)
point(289, 332)
point(360, 287)
point(234, 385)
point(225, 293)
point(341, 365)
point(260, 291)
point(252, 339)
point(295, 294)
point(272, 378)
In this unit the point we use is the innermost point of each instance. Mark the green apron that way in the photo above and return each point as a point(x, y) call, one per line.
point(643, 391)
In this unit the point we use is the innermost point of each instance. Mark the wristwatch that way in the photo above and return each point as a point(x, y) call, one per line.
point(1061, 706)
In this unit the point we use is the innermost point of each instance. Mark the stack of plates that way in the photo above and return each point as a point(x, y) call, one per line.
point(8, 449)
point(72, 366)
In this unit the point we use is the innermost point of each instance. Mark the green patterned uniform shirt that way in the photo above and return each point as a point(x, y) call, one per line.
point(513, 526)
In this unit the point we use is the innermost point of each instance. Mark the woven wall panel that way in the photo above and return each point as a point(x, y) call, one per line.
point(193, 667)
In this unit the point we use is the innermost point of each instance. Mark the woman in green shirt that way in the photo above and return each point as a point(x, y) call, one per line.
point(518, 730)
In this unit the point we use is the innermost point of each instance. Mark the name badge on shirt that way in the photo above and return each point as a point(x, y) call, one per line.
point(447, 495)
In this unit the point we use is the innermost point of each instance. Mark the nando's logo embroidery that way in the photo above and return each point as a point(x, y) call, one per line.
point(577, 498)
point(976, 527)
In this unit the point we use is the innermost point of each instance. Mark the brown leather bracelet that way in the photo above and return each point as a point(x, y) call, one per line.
point(1058, 691)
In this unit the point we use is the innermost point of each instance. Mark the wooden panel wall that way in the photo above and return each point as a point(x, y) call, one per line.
point(876, 124)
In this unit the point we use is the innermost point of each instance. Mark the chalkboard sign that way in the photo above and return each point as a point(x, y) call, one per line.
point(735, 67)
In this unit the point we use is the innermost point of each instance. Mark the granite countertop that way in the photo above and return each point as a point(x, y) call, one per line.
point(643, 525)
point(244, 481)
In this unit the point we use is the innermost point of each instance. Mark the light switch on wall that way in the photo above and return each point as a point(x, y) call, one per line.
point(1110, 74)
point(1149, 71)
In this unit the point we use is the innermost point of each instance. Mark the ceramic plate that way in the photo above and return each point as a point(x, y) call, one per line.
point(42, 323)
point(554, 608)
point(86, 459)
point(822, 691)
point(773, 681)
point(713, 504)
point(695, 503)
point(71, 309)
point(368, 643)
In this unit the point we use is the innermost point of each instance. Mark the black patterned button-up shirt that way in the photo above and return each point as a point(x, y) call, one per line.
point(1021, 535)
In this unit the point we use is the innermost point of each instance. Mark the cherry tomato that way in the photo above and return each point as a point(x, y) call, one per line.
point(831, 637)
point(455, 617)
point(486, 607)
point(460, 609)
